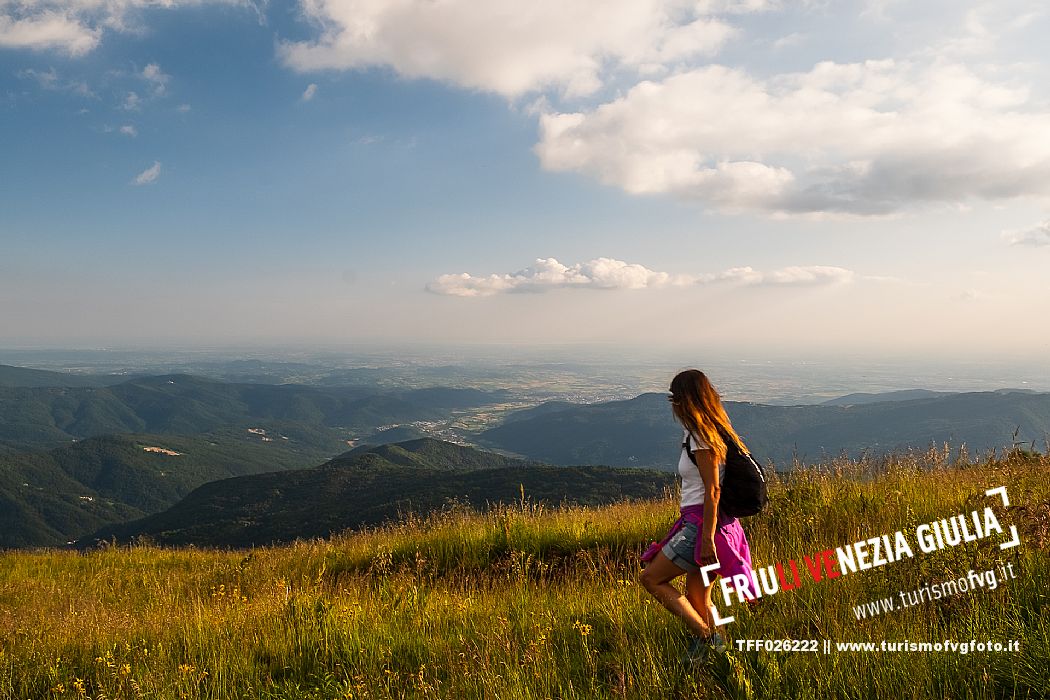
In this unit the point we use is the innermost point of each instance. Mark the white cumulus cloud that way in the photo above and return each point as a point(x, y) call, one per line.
point(76, 27)
point(309, 92)
point(511, 47)
point(861, 138)
point(47, 29)
point(607, 273)
point(149, 175)
point(129, 130)
point(548, 273)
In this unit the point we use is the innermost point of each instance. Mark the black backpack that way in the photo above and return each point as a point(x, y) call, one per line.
point(744, 483)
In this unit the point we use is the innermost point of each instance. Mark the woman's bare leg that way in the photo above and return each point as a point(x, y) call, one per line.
point(656, 578)
point(699, 596)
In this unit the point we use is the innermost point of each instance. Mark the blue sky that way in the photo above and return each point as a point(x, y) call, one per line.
point(818, 177)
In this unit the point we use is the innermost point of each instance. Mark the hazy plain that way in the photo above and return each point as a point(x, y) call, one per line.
point(578, 373)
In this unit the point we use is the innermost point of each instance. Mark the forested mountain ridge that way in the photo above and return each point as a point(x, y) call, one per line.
point(642, 432)
point(50, 497)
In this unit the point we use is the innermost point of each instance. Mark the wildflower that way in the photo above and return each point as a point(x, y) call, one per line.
point(125, 670)
point(59, 689)
point(186, 668)
point(583, 629)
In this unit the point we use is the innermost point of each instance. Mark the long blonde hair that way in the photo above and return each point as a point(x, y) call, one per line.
point(698, 407)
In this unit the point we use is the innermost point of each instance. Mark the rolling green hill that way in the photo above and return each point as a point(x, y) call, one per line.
point(433, 454)
point(51, 497)
point(641, 431)
point(42, 505)
point(370, 487)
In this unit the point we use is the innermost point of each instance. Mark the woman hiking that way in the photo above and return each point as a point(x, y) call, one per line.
point(701, 536)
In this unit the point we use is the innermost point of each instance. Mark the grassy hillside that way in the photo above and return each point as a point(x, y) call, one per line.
point(372, 486)
point(637, 432)
point(528, 602)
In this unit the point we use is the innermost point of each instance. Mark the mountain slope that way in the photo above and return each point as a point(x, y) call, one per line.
point(900, 395)
point(42, 505)
point(50, 497)
point(432, 454)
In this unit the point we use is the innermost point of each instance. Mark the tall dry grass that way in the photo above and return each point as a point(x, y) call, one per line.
point(534, 602)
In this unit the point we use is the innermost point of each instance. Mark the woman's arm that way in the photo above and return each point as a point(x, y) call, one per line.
point(705, 462)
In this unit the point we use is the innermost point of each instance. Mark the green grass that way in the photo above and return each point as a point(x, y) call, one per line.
point(532, 602)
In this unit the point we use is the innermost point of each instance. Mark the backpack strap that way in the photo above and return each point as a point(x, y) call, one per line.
point(688, 452)
point(732, 443)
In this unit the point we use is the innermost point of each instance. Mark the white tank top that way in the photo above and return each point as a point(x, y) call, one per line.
point(692, 484)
